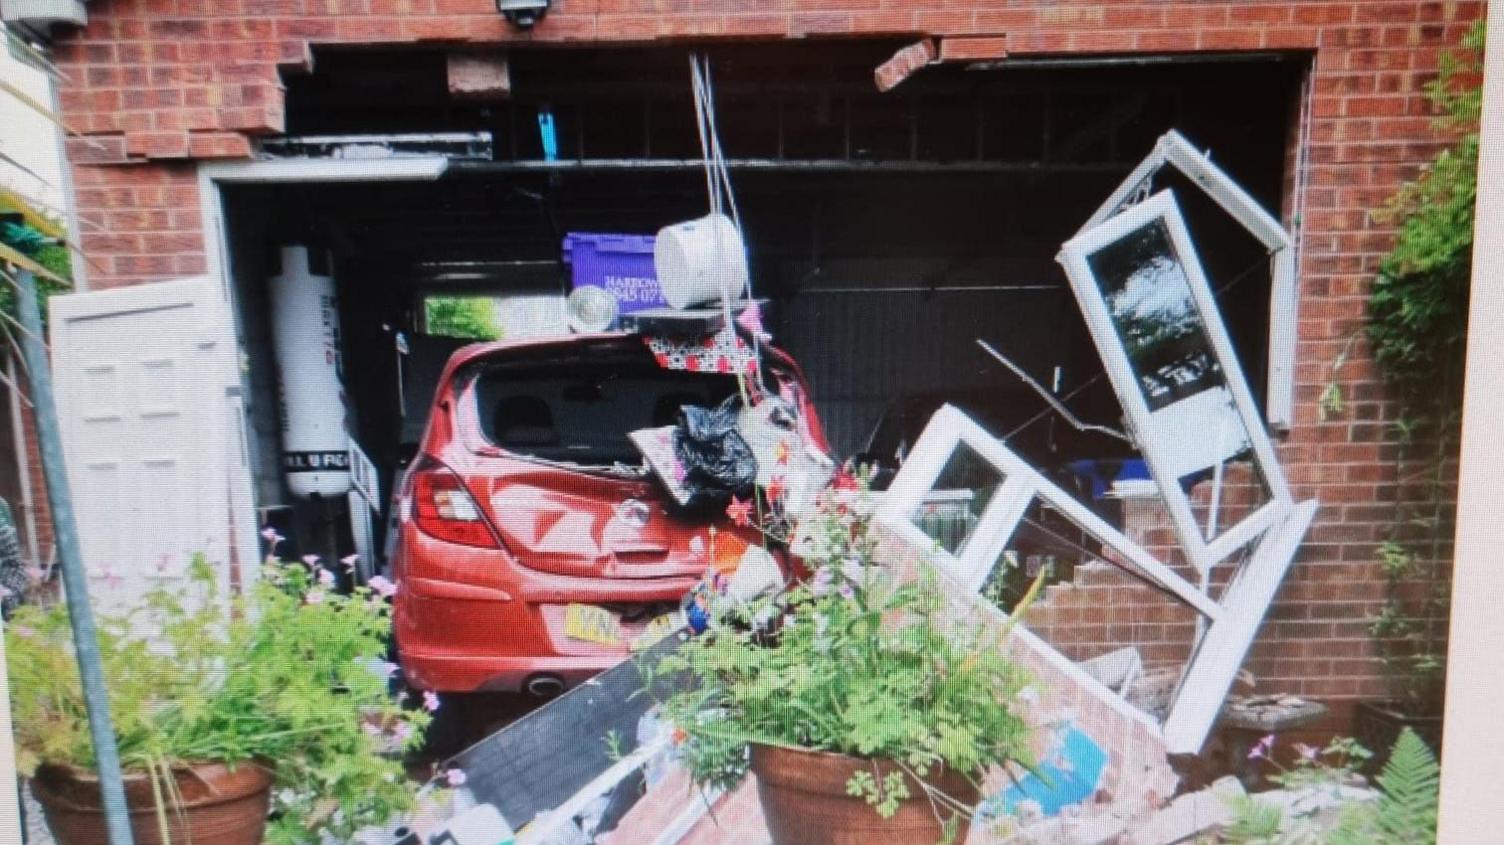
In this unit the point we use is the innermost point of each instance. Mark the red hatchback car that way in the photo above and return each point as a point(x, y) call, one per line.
point(527, 504)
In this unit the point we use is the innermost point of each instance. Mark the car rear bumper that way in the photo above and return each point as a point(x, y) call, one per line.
point(469, 620)
point(496, 673)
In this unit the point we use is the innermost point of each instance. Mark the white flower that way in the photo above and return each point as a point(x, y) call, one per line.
point(377, 666)
point(454, 777)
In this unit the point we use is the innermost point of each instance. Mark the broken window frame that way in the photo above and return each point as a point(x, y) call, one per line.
point(1233, 618)
point(1159, 446)
point(1175, 151)
point(949, 430)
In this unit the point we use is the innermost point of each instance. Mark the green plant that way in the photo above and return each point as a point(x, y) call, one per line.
point(1417, 327)
point(289, 677)
point(470, 317)
point(1405, 813)
point(847, 662)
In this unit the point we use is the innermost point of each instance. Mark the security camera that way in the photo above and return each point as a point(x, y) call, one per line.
point(523, 13)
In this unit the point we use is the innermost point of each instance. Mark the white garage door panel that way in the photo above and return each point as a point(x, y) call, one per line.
point(145, 383)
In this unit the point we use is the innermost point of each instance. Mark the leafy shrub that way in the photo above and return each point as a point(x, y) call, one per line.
point(1404, 814)
point(849, 663)
point(291, 678)
point(1418, 328)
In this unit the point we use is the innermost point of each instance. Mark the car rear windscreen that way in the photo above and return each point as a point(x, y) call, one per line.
point(581, 411)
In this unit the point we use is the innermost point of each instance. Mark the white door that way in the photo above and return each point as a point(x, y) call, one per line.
point(149, 401)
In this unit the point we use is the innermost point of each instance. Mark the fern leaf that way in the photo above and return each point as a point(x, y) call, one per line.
point(1410, 783)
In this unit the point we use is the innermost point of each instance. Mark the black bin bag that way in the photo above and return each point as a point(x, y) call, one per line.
point(718, 463)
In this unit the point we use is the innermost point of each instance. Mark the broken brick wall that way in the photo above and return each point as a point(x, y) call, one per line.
point(1102, 607)
point(157, 86)
point(1138, 772)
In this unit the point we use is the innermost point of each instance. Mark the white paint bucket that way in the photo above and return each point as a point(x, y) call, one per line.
point(700, 261)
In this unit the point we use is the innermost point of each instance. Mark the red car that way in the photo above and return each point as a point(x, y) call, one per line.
point(527, 498)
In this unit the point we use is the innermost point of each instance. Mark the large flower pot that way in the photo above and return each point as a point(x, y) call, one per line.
point(804, 801)
point(217, 806)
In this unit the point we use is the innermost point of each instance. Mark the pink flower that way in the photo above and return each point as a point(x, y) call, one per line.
point(314, 597)
point(6, 592)
point(430, 701)
point(370, 729)
point(454, 777)
point(403, 732)
point(311, 560)
point(383, 586)
point(1261, 749)
point(271, 536)
point(36, 574)
point(348, 561)
point(822, 581)
point(326, 578)
point(1307, 752)
point(739, 511)
point(111, 578)
point(751, 320)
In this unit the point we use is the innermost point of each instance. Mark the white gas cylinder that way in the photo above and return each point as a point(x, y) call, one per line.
point(305, 336)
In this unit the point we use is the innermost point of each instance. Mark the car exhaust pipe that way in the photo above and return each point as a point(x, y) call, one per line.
point(544, 686)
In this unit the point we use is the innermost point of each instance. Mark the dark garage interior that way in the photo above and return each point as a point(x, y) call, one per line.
point(888, 231)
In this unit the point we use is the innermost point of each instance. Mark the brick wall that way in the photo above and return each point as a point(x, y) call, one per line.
point(155, 85)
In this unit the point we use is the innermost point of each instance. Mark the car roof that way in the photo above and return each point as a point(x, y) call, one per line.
point(470, 353)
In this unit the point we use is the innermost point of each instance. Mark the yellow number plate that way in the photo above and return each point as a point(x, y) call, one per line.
point(591, 624)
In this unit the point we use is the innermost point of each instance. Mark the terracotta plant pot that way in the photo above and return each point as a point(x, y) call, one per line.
point(804, 801)
point(219, 806)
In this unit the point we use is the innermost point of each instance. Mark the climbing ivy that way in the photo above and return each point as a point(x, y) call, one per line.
point(1418, 309)
point(1418, 329)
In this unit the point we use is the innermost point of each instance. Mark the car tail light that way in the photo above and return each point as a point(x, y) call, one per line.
point(445, 510)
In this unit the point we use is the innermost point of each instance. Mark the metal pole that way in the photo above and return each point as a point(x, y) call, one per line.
point(65, 534)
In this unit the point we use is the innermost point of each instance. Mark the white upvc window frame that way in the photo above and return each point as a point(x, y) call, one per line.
point(1232, 619)
point(950, 429)
point(1161, 444)
point(1175, 151)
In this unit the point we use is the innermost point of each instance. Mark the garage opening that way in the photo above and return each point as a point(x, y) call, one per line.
point(888, 232)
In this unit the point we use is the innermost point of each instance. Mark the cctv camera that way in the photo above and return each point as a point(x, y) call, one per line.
point(523, 13)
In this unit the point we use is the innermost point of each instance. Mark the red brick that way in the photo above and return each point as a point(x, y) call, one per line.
point(219, 145)
point(903, 64)
point(157, 144)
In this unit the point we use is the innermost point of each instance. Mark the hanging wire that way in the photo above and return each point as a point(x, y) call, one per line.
point(721, 194)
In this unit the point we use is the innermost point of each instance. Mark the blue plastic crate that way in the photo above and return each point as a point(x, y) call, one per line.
point(621, 264)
